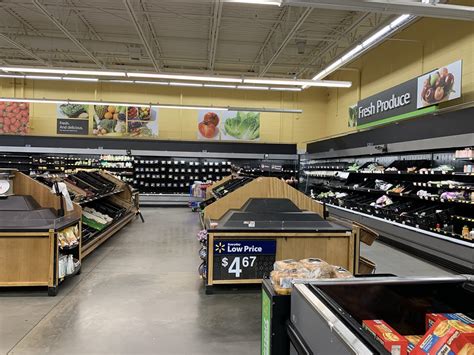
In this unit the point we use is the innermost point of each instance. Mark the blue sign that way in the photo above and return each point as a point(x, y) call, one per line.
point(245, 247)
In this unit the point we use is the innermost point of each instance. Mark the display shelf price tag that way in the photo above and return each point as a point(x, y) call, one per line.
point(243, 259)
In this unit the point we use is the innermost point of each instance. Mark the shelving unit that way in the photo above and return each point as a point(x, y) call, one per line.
point(162, 177)
point(423, 207)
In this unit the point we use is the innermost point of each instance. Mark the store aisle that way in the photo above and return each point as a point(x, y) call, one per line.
point(139, 293)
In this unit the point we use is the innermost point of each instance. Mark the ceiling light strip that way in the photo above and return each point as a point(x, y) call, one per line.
point(160, 105)
point(371, 41)
point(239, 81)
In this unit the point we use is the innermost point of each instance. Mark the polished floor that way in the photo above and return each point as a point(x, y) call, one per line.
point(139, 293)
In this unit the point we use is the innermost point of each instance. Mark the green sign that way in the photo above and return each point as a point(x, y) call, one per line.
point(266, 329)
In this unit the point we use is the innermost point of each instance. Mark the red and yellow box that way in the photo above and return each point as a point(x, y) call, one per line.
point(432, 318)
point(447, 337)
point(387, 336)
point(413, 340)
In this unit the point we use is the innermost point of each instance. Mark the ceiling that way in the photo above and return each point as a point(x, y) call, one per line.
point(179, 36)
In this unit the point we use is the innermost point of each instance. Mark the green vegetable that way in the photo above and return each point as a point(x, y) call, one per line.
point(100, 111)
point(73, 111)
point(108, 125)
point(245, 126)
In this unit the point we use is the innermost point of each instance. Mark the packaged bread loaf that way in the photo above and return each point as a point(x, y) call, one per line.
point(341, 273)
point(288, 264)
point(318, 268)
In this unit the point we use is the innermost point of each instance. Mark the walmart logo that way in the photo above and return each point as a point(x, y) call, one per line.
point(220, 247)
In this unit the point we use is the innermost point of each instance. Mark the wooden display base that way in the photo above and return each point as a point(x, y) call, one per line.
point(337, 248)
point(31, 258)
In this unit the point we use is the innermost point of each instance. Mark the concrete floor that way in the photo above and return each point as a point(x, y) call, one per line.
point(140, 293)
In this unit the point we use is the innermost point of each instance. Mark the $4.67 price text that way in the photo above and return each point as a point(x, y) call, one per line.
point(237, 263)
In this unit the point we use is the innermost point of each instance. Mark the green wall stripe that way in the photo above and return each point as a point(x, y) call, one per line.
point(400, 117)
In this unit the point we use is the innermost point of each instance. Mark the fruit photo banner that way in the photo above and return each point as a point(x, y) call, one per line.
point(411, 98)
point(15, 118)
point(125, 121)
point(228, 125)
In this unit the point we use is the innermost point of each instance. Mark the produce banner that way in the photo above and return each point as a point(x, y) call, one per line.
point(228, 125)
point(411, 98)
point(123, 121)
point(72, 119)
point(440, 85)
point(14, 118)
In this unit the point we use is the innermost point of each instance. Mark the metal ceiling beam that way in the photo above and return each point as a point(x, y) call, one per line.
point(68, 34)
point(153, 33)
point(428, 9)
point(273, 29)
point(304, 15)
point(347, 32)
point(214, 33)
point(86, 23)
point(142, 35)
point(21, 20)
point(22, 48)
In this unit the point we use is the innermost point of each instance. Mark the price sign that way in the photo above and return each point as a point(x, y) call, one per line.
point(243, 259)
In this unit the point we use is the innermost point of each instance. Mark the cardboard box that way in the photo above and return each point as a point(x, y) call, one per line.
point(447, 337)
point(432, 318)
point(413, 340)
point(387, 336)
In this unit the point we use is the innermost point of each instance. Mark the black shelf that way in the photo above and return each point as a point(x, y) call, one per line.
point(100, 196)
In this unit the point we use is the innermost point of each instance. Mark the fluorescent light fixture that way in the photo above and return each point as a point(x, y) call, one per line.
point(377, 35)
point(307, 83)
point(399, 20)
point(78, 102)
point(220, 79)
point(245, 87)
point(352, 54)
point(286, 89)
point(257, 2)
point(221, 86)
point(62, 71)
point(165, 83)
point(12, 76)
point(42, 77)
point(121, 81)
point(170, 106)
point(42, 101)
point(70, 78)
point(184, 107)
point(186, 84)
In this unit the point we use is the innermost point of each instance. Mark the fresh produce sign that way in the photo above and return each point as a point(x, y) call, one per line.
point(229, 125)
point(14, 118)
point(409, 99)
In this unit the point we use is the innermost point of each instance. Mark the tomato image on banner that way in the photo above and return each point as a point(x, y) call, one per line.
point(14, 118)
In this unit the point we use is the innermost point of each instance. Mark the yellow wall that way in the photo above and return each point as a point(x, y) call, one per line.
point(420, 48)
point(423, 46)
point(180, 124)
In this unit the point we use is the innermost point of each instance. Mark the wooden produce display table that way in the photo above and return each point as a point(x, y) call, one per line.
point(246, 257)
point(29, 249)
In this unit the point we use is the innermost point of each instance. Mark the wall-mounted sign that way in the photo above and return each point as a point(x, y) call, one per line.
point(72, 126)
point(243, 259)
point(440, 85)
point(228, 125)
point(411, 98)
